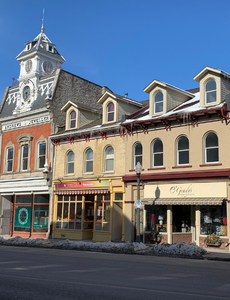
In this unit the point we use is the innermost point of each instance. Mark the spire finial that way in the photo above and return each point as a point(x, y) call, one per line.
point(43, 16)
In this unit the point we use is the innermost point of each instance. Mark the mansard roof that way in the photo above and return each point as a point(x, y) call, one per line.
point(39, 44)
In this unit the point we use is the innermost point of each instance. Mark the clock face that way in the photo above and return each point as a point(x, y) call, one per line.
point(28, 66)
point(47, 67)
point(26, 93)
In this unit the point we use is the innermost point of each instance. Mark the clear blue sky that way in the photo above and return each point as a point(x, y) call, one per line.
point(123, 44)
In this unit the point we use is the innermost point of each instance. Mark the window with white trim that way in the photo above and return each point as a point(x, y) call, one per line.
point(72, 119)
point(70, 163)
point(157, 158)
point(41, 155)
point(210, 91)
point(9, 159)
point(211, 148)
point(158, 102)
point(182, 150)
point(24, 157)
point(109, 159)
point(110, 112)
point(137, 154)
point(89, 161)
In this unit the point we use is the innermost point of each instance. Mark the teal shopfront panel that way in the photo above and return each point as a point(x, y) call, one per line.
point(22, 221)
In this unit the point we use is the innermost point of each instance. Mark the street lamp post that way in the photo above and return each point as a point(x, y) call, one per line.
point(138, 169)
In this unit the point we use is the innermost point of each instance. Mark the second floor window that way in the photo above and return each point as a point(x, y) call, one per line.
point(70, 163)
point(109, 158)
point(211, 148)
point(41, 155)
point(9, 159)
point(157, 153)
point(110, 112)
point(89, 160)
point(72, 119)
point(24, 157)
point(210, 91)
point(158, 102)
point(137, 154)
point(183, 151)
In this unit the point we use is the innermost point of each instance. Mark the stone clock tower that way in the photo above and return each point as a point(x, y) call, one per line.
point(39, 59)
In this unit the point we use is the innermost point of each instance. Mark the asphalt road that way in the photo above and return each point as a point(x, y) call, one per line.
point(33, 273)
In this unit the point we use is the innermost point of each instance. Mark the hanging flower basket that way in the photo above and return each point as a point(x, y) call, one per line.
point(213, 240)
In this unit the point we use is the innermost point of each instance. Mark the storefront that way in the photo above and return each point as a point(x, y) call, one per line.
point(25, 207)
point(186, 212)
point(89, 209)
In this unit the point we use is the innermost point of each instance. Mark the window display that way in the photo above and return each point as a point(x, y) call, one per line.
point(213, 219)
point(69, 212)
point(156, 218)
point(181, 218)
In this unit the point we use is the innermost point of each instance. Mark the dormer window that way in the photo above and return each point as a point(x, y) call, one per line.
point(210, 91)
point(110, 112)
point(28, 46)
point(158, 103)
point(50, 48)
point(72, 119)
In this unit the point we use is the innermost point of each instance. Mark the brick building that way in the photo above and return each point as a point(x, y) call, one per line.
point(30, 112)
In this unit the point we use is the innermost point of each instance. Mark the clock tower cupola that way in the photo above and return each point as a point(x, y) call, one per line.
point(39, 59)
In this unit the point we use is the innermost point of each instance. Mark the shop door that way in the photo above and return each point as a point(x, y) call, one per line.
point(6, 221)
point(117, 221)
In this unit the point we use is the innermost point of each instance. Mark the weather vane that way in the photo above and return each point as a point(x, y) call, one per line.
point(43, 16)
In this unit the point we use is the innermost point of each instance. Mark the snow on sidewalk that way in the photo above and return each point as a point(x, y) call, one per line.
point(180, 249)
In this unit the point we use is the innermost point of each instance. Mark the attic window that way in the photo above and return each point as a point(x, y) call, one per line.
point(50, 48)
point(72, 119)
point(28, 46)
point(110, 112)
point(210, 91)
point(158, 103)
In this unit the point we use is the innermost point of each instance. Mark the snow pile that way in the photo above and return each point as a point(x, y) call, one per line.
point(180, 249)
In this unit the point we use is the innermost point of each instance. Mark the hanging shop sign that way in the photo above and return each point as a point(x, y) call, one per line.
point(186, 190)
point(22, 217)
point(82, 184)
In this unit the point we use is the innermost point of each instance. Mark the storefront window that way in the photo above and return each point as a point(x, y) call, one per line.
point(213, 219)
point(103, 212)
point(41, 218)
point(69, 212)
point(156, 218)
point(25, 209)
point(181, 218)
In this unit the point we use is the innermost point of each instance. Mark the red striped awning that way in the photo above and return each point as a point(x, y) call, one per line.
point(82, 192)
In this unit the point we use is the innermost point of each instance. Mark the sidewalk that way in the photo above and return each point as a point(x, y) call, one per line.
point(215, 254)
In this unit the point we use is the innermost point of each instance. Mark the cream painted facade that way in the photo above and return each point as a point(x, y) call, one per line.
point(183, 201)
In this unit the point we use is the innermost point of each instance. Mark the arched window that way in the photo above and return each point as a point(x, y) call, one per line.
point(72, 119)
point(89, 160)
point(211, 148)
point(110, 112)
point(109, 158)
point(183, 150)
point(157, 159)
point(70, 163)
point(158, 102)
point(137, 154)
point(210, 91)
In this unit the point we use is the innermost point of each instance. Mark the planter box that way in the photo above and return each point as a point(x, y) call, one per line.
point(213, 244)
